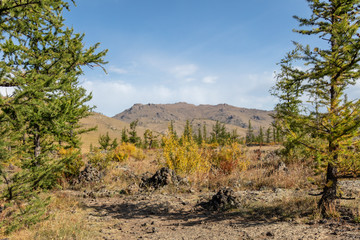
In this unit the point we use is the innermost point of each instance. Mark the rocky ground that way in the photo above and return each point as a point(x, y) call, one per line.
point(159, 216)
point(188, 215)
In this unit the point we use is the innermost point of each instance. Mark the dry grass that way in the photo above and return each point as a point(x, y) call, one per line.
point(67, 220)
point(299, 209)
point(269, 177)
point(351, 208)
point(258, 175)
point(104, 125)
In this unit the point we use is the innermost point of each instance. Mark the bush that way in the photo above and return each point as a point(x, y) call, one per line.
point(73, 161)
point(183, 155)
point(121, 153)
point(227, 158)
point(99, 159)
point(126, 150)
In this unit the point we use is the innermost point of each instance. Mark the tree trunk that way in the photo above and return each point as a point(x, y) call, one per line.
point(37, 147)
point(327, 203)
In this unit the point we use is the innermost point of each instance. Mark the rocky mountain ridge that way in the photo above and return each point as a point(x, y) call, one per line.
point(158, 116)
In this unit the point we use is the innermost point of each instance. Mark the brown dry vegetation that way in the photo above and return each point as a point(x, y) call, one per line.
point(116, 208)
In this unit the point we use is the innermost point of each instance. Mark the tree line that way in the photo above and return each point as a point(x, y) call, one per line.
point(218, 135)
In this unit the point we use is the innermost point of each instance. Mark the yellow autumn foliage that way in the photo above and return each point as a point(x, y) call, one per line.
point(126, 150)
point(183, 155)
point(74, 160)
point(227, 158)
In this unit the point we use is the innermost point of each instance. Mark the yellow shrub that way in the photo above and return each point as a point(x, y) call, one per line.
point(73, 160)
point(99, 159)
point(184, 155)
point(126, 150)
point(228, 158)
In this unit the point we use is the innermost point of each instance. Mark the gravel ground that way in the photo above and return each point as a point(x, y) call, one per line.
point(179, 216)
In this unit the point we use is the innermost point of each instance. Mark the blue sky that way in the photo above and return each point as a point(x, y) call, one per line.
point(195, 51)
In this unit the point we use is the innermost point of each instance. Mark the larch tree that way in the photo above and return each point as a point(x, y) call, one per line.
point(313, 109)
point(42, 60)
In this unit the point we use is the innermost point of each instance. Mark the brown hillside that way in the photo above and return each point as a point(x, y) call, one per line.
point(104, 124)
point(158, 116)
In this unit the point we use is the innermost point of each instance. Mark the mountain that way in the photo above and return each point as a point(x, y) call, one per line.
point(158, 116)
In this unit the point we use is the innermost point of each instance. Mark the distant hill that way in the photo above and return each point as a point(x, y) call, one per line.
point(158, 116)
point(104, 125)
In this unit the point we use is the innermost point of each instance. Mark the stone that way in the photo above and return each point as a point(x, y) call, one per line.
point(223, 200)
point(162, 177)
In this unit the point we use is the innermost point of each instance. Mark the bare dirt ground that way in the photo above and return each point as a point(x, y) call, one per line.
point(262, 215)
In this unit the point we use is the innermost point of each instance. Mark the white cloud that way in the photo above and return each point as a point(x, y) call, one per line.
point(190, 79)
point(117, 70)
point(248, 90)
point(115, 96)
point(209, 79)
point(184, 70)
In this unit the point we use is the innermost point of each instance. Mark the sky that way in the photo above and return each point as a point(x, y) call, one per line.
point(194, 51)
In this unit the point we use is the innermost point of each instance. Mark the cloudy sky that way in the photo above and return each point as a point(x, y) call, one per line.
point(195, 51)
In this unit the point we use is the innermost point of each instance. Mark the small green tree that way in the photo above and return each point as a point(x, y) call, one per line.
point(104, 141)
point(234, 136)
point(114, 144)
point(133, 134)
point(124, 136)
point(199, 136)
point(250, 134)
point(172, 130)
point(268, 135)
point(313, 110)
point(219, 134)
point(205, 137)
point(150, 139)
point(260, 138)
point(188, 132)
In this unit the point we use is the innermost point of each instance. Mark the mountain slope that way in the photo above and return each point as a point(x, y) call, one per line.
point(158, 116)
point(104, 125)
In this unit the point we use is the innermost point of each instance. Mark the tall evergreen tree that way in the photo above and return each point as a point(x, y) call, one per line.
point(205, 137)
point(188, 132)
point(42, 59)
point(250, 134)
point(268, 135)
point(313, 110)
point(260, 138)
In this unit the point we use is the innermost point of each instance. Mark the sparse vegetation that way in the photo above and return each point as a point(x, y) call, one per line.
point(49, 189)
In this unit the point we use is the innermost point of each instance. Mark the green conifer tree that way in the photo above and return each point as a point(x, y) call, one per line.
point(188, 132)
point(134, 138)
point(268, 135)
point(42, 59)
point(205, 137)
point(114, 144)
point(104, 141)
point(250, 134)
point(261, 136)
point(124, 136)
point(219, 134)
point(199, 136)
point(313, 110)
